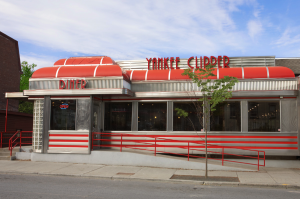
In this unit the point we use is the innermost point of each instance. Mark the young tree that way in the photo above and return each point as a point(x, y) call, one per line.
point(26, 106)
point(213, 92)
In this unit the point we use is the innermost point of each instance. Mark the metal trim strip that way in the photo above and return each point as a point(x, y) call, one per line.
point(218, 73)
point(268, 74)
point(243, 73)
point(66, 61)
point(169, 77)
point(146, 75)
point(57, 72)
point(101, 60)
point(131, 75)
point(96, 69)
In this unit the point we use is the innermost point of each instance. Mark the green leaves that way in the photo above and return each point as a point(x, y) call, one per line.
point(213, 92)
point(26, 106)
point(181, 113)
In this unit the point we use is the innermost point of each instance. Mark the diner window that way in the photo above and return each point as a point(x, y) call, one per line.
point(191, 122)
point(226, 117)
point(263, 116)
point(152, 116)
point(118, 116)
point(63, 114)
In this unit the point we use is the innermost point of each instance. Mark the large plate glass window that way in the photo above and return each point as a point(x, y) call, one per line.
point(194, 120)
point(226, 117)
point(63, 114)
point(152, 116)
point(264, 116)
point(118, 116)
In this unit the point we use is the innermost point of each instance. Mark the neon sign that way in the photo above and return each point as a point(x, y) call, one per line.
point(64, 106)
point(167, 63)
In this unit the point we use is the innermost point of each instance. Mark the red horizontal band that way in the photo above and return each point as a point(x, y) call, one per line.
point(196, 142)
point(199, 136)
point(73, 146)
point(68, 140)
point(68, 135)
point(194, 147)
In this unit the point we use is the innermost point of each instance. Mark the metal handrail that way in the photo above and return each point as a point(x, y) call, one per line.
point(157, 138)
point(13, 140)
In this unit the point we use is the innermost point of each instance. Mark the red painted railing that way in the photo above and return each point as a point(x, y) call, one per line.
point(20, 138)
point(123, 140)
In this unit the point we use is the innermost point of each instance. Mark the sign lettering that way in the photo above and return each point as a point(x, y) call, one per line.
point(72, 84)
point(162, 63)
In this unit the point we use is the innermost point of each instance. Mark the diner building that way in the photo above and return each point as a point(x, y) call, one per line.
point(78, 98)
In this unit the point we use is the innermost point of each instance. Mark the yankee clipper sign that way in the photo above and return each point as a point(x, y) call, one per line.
point(171, 63)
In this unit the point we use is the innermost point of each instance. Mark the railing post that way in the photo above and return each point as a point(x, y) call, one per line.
point(264, 158)
point(121, 142)
point(92, 141)
point(258, 160)
point(188, 151)
point(223, 156)
point(155, 147)
point(20, 139)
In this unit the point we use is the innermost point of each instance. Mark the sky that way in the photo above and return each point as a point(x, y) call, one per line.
point(50, 30)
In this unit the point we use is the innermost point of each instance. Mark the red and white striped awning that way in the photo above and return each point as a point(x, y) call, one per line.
point(240, 73)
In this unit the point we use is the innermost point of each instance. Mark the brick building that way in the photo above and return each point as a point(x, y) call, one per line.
point(10, 70)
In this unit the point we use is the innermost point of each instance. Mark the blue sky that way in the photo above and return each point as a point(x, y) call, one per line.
point(49, 30)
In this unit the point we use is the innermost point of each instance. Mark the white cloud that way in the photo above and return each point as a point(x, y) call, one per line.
point(126, 29)
point(287, 39)
point(40, 61)
point(254, 28)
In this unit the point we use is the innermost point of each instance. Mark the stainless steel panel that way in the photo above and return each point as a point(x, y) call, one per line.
point(83, 118)
point(234, 94)
point(46, 123)
point(244, 115)
point(170, 106)
point(63, 92)
point(289, 118)
point(134, 124)
point(46, 84)
point(15, 95)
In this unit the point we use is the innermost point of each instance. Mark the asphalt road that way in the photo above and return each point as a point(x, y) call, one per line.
point(37, 186)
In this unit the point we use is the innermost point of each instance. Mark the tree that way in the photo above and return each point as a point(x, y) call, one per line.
point(26, 106)
point(213, 93)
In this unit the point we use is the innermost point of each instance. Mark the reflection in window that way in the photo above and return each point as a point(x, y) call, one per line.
point(63, 113)
point(118, 116)
point(263, 116)
point(226, 117)
point(190, 123)
point(152, 116)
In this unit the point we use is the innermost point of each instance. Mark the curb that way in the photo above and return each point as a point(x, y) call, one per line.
point(204, 183)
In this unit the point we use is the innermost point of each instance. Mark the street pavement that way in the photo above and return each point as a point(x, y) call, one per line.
point(29, 186)
point(267, 176)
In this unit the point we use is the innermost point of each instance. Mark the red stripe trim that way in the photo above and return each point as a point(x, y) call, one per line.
point(202, 136)
point(198, 142)
point(133, 99)
point(67, 135)
point(212, 147)
point(68, 140)
point(73, 146)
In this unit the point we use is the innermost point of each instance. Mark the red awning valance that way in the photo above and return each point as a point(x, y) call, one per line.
point(240, 73)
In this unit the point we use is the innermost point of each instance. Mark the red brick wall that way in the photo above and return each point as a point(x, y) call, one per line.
point(15, 121)
point(9, 70)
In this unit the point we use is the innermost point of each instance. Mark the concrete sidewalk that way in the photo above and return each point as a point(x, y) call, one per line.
point(275, 177)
